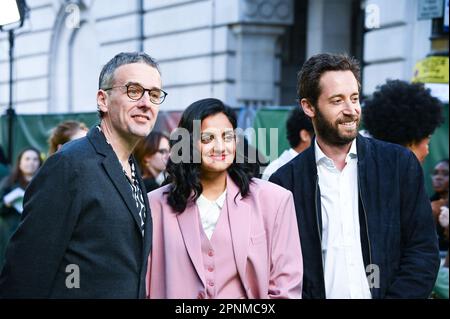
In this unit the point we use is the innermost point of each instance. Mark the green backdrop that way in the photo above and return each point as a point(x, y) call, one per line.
point(34, 130)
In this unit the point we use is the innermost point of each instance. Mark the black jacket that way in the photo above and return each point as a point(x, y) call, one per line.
point(396, 225)
point(79, 213)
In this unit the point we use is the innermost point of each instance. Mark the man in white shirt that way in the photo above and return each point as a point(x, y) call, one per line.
point(363, 214)
point(299, 132)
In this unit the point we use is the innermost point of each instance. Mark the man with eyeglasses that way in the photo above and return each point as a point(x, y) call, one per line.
point(86, 229)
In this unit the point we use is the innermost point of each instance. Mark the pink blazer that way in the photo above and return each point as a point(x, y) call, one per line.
point(265, 241)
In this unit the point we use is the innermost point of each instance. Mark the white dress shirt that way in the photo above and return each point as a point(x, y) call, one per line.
point(344, 272)
point(284, 158)
point(210, 212)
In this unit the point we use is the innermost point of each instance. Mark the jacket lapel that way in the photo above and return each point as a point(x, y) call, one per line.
point(114, 170)
point(148, 217)
point(189, 226)
point(239, 219)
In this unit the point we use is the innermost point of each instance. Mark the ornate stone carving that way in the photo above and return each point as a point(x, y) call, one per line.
point(268, 11)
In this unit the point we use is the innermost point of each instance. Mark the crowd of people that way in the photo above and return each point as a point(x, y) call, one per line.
point(122, 211)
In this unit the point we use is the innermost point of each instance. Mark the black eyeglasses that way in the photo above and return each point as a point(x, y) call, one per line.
point(136, 92)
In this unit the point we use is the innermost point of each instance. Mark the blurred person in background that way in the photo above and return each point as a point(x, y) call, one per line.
point(299, 131)
point(403, 113)
point(441, 286)
point(12, 189)
point(152, 154)
point(65, 132)
point(439, 200)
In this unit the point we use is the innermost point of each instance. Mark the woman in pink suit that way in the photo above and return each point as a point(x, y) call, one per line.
point(218, 232)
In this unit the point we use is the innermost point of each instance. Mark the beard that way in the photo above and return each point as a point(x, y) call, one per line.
point(330, 132)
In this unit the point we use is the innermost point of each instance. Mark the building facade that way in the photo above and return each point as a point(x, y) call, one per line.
point(245, 52)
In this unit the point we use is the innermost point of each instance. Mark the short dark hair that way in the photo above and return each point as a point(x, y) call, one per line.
point(308, 79)
point(185, 177)
point(106, 78)
point(402, 113)
point(296, 122)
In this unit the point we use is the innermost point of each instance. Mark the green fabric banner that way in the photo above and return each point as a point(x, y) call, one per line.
point(266, 119)
point(34, 130)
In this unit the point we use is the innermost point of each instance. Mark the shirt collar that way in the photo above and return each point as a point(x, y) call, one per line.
point(353, 153)
point(202, 200)
point(321, 157)
point(293, 152)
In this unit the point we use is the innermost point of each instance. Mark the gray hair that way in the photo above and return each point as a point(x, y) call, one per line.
point(106, 78)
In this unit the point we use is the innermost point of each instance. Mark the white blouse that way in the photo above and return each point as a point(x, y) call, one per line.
point(210, 212)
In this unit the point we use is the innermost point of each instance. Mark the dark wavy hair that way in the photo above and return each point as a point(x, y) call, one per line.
point(184, 177)
point(16, 176)
point(402, 113)
point(308, 78)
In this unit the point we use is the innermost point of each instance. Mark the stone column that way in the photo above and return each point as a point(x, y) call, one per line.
point(260, 25)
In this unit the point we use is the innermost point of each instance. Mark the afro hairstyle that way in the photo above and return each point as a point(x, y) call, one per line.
point(402, 113)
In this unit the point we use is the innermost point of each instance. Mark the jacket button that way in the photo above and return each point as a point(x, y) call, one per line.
point(211, 253)
point(210, 268)
point(201, 295)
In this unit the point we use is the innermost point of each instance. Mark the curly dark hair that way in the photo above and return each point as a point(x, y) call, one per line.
point(184, 176)
point(308, 79)
point(402, 113)
point(297, 121)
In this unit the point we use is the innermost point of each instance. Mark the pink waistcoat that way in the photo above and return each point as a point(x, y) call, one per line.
point(221, 274)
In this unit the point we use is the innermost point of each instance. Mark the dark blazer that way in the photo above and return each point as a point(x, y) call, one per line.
point(79, 214)
point(396, 225)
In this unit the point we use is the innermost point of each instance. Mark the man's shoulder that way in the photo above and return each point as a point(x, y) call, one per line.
point(299, 162)
point(75, 153)
point(80, 147)
point(382, 149)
